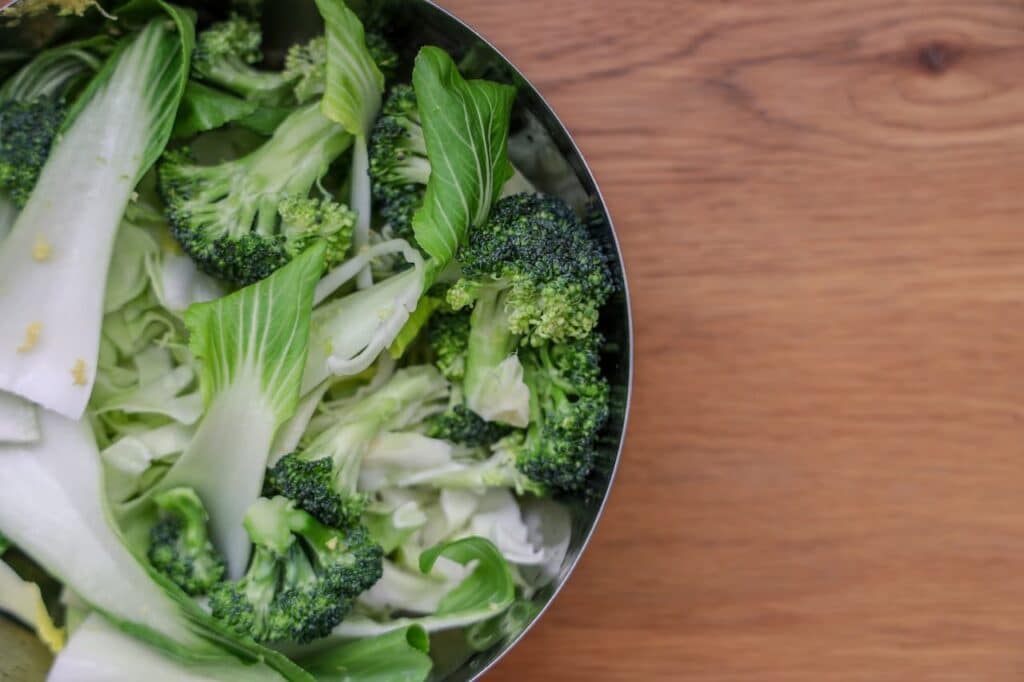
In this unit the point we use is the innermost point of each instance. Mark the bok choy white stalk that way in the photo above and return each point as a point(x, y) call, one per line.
point(53, 264)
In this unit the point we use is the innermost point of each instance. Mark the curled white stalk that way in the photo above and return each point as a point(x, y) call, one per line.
point(392, 319)
point(348, 333)
point(353, 266)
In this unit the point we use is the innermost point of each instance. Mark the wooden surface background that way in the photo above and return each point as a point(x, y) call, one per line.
point(821, 205)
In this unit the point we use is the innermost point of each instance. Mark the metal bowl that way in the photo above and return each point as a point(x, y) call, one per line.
point(561, 171)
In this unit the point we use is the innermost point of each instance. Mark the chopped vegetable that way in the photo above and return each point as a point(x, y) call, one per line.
point(62, 297)
point(296, 368)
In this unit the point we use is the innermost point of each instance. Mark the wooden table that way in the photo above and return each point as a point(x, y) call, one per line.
point(821, 205)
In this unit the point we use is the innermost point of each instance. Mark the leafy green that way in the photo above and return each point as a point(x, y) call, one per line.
point(54, 263)
point(417, 320)
point(99, 652)
point(489, 589)
point(398, 656)
point(133, 246)
point(354, 83)
point(252, 345)
point(486, 592)
point(352, 97)
point(204, 108)
point(56, 515)
point(465, 124)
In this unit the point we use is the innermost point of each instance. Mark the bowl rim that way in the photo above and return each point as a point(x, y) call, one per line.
point(552, 117)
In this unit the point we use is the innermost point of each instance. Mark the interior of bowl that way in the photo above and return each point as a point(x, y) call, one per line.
point(559, 170)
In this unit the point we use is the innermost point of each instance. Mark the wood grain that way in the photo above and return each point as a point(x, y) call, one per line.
point(821, 207)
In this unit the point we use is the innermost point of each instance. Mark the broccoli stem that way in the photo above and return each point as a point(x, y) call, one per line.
point(305, 143)
point(493, 381)
point(236, 74)
point(262, 577)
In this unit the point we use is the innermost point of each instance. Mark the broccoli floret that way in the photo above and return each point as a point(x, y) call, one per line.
point(27, 131)
point(302, 578)
point(533, 276)
point(305, 65)
point(448, 336)
point(536, 252)
point(242, 219)
point(224, 55)
point(568, 408)
point(180, 546)
point(399, 169)
point(461, 425)
point(322, 477)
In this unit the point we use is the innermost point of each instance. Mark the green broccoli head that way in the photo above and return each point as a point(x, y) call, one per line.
point(27, 131)
point(553, 277)
point(569, 407)
point(305, 65)
point(242, 219)
point(322, 478)
point(307, 221)
point(448, 336)
point(302, 578)
point(179, 544)
point(322, 482)
point(557, 452)
point(461, 425)
point(399, 169)
point(225, 53)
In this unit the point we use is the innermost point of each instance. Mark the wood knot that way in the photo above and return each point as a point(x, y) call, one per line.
point(936, 57)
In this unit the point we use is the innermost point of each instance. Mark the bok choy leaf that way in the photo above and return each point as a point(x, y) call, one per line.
point(252, 347)
point(53, 264)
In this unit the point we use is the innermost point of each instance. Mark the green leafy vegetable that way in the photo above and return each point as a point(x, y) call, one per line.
point(486, 592)
point(54, 263)
point(56, 514)
point(354, 83)
point(204, 108)
point(465, 124)
point(99, 652)
point(352, 97)
point(398, 656)
point(252, 345)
